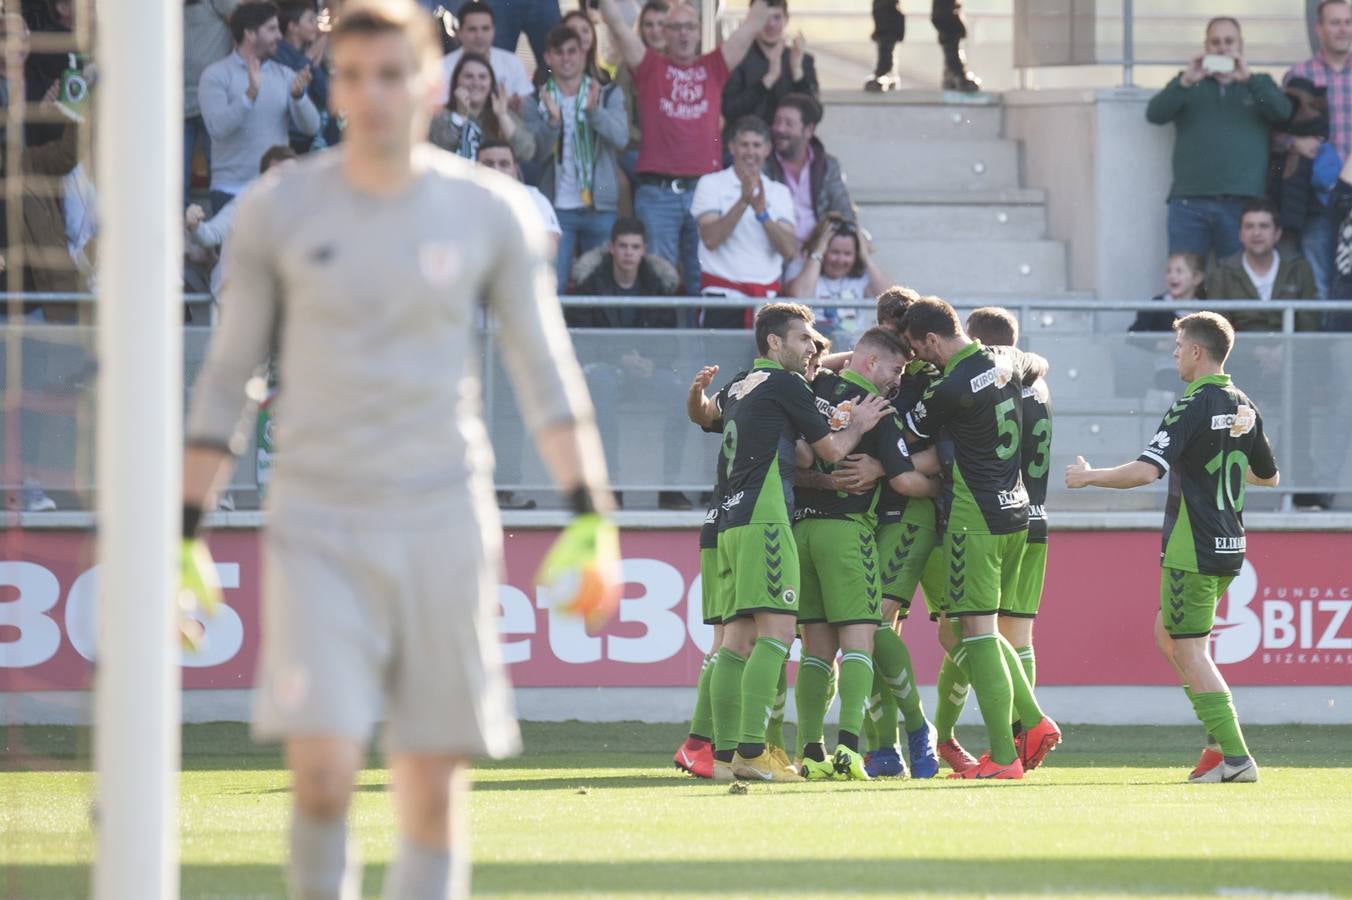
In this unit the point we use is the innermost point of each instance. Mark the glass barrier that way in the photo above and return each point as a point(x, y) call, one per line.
point(1109, 392)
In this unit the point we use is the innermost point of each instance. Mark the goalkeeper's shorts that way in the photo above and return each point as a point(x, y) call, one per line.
point(384, 614)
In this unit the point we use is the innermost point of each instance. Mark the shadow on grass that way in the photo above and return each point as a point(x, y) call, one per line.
point(226, 746)
point(794, 877)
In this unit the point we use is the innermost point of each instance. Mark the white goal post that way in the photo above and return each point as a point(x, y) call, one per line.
point(139, 137)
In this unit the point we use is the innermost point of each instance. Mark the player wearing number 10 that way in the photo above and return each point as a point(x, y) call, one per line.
point(1210, 444)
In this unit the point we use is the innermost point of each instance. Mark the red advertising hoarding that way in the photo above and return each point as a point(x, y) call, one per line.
point(1285, 620)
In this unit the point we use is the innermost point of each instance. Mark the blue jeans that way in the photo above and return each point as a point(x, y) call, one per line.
point(672, 233)
point(1316, 245)
point(583, 229)
point(535, 17)
point(194, 135)
point(1204, 224)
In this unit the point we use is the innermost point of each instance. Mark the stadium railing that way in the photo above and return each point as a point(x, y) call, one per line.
point(1110, 387)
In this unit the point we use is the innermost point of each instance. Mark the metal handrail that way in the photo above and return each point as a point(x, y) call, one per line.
point(685, 302)
point(58, 297)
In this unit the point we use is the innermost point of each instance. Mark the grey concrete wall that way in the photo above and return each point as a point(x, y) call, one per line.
point(1106, 171)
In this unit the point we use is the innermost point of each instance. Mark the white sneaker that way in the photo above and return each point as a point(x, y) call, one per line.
point(33, 499)
point(1244, 773)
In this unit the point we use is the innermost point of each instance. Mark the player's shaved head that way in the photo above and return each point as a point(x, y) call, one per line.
point(776, 318)
point(993, 326)
point(1210, 331)
point(880, 340)
point(369, 18)
point(892, 306)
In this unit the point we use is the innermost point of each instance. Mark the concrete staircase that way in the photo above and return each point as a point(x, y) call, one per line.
point(939, 188)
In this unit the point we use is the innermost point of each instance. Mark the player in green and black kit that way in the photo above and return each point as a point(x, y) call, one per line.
point(766, 414)
point(910, 554)
point(696, 754)
point(974, 413)
point(995, 326)
point(1210, 444)
point(840, 600)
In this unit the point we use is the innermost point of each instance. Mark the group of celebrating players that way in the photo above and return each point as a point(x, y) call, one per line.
point(920, 459)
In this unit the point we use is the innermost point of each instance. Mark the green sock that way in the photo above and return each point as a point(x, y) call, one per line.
point(725, 695)
point(702, 722)
point(994, 693)
point(1217, 712)
point(894, 664)
point(1025, 703)
point(1210, 738)
point(856, 677)
point(872, 713)
point(1029, 661)
point(774, 732)
point(883, 713)
point(953, 687)
point(812, 695)
point(760, 682)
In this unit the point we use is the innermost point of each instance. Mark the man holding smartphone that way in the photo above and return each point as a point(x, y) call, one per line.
point(1224, 116)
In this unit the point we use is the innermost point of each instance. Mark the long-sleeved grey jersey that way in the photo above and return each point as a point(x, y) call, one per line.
point(371, 302)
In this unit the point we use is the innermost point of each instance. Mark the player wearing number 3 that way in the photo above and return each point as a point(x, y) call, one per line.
point(1210, 444)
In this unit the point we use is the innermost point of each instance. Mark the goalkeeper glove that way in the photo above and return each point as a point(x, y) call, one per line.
point(199, 590)
point(584, 567)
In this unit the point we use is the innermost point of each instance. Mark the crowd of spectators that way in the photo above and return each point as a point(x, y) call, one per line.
point(1260, 201)
point(1259, 170)
point(624, 115)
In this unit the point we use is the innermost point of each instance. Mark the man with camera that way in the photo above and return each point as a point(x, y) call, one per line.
point(1224, 115)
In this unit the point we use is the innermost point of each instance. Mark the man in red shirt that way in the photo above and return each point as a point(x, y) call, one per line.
point(679, 103)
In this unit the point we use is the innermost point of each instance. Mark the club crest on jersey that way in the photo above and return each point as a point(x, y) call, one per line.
point(439, 262)
point(790, 596)
point(748, 384)
point(1239, 424)
point(842, 415)
point(998, 376)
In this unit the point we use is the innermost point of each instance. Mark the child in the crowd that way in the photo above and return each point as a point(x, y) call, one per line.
point(1183, 277)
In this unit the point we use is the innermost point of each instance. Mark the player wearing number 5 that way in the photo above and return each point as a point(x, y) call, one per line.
point(974, 414)
point(1210, 444)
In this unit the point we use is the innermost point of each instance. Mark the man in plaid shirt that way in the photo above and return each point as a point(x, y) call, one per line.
point(1327, 68)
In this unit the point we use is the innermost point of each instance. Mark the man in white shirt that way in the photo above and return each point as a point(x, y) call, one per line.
point(477, 30)
point(498, 155)
point(746, 227)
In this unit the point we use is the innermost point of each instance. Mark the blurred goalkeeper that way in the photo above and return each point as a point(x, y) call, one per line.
point(365, 267)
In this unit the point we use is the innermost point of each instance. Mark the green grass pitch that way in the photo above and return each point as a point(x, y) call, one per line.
point(596, 810)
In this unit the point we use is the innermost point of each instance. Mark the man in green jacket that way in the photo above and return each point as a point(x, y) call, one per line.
point(1224, 115)
point(1261, 273)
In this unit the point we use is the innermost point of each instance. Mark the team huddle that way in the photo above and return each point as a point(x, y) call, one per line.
point(920, 459)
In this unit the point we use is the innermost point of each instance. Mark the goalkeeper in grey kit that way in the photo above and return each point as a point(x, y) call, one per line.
point(366, 267)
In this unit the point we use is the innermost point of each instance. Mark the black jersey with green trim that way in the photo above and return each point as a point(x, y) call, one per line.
point(1035, 455)
point(977, 406)
point(1206, 444)
point(836, 396)
point(766, 413)
point(708, 533)
point(915, 380)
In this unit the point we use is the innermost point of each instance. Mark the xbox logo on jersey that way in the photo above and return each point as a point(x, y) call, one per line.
point(1236, 636)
